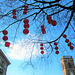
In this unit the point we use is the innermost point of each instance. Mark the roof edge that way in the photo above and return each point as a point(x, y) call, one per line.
point(5, 57)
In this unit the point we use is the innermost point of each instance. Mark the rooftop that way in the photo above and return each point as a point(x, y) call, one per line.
point(1, 53)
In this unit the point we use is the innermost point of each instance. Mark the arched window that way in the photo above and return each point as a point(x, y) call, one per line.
point(69, 65)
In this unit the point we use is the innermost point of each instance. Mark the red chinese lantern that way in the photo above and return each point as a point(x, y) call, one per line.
point(43, 32)
point(42, 52)
point(26, 6)
point(5, 32)
point(57, 52)
point(49, 17)
point(69, 44)
point(14, 10)
point(55, 43)
point(26, 21)
point(71, 47)
point(43, 29)
point(54, 23)
point(24, 12)
point(25, 31)
point(41, 48)
point(50, 21)
point(7, 44)
point(42, 26)
point(67, 40)
point(56, 48)
point(41, 44)
point(25, 9)
point(64, 36)
point(14, 16)
point(14, 13)
point(5, 38)
point(26, 25)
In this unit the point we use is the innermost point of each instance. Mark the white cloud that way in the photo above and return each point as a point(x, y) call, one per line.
point(23, 49)
point(2, 43)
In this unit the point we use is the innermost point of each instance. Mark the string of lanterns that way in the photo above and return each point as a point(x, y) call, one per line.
point(68, 42)
point(50, 21)
point(14, 14)
point(43, 29)
point(56, 48)
point(5, 38)
point(26, 31)
point(42, 48)
point(26, 26)
point(25, 10)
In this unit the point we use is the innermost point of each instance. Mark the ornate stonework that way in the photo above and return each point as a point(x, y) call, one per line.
point(68, 65)
point(4, 62)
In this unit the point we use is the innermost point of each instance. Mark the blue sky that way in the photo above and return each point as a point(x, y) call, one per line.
point(42, 66)
point(23, 54)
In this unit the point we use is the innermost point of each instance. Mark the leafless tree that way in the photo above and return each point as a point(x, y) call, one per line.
point(62, 11)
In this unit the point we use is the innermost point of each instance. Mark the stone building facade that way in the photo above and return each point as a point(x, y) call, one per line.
point(68, 65)
point(4, 62)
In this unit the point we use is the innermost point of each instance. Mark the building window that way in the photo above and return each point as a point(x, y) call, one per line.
point(63, 67)
point(69, 65)
point(1, 71)
point(71, 73)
